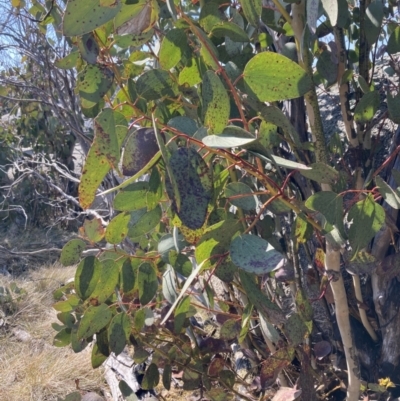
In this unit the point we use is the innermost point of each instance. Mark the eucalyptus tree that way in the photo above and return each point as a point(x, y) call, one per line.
point(247, 214)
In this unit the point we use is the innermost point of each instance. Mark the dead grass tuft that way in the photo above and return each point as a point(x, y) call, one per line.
point(31, 368)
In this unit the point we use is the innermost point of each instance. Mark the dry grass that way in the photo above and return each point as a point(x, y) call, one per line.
point(31, 368)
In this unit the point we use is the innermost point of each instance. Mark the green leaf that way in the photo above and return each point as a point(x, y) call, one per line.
point(155, 84)
point(173, 47)
point(180, 314)
point(184, 124)
point(126, 391)
point(190, 75)
point(118, 332)
point(155, 191)
point(97, 357)
point(142, 223)
point(373, 21)
point(241, 195)
point(331, 9)
point(132, 197)
point(93, 320)
point(106, 138)
point(71, 252)
point(321, 173)
point(367, 218)
point(109, 277)
point(254, 254)
point(226, 270)
point(77, 345)
point(180, 262)
point(391, 196)
point(230, 330)
point(128, 40)
point(118, 228)
point(95, 169)
point(147, 283)
point(86, 277)
point(67, 62)
point(93, 83)
point(330, 205)
point(393, 103)
point(209, 16)
point(83, 17)
point(167, 376)
point(230, 30)
point(393, 45)
point(252, 10)
point(272, 77)
point(216, 241)
point(151, 377)
point(188, 167)
point(62, 338)
point(93, 230)
point(215, 102)
point(128, 275)
point(260, 300)
point(366, 107)
point(327, 68)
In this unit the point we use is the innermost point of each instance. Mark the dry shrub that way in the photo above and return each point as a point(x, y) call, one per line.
point(31, 368)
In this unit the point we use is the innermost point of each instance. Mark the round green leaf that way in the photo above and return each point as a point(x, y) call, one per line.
point(151, 377)
point(366, 107)
point(62, 338)
point(230, 330)
point(272, 77)
point(252, 10)
point(241, 195)
point(216, 103)
point(155, 84)
point(367, 218)
point(83, 17)
point(68, 61)
point(86, 276)
point(93, 320)
point(253, 254)
point(94, 230)
point(109, 277)
point(194, 184)
point(106, 137)
point(321, 173)
point(118, 332)
point(118, 229)
point(147, 283)
point(216, 241)
point(71, 252)
point(230, 30)
point(143, 222)
point(173, 47)
point(132, 197)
